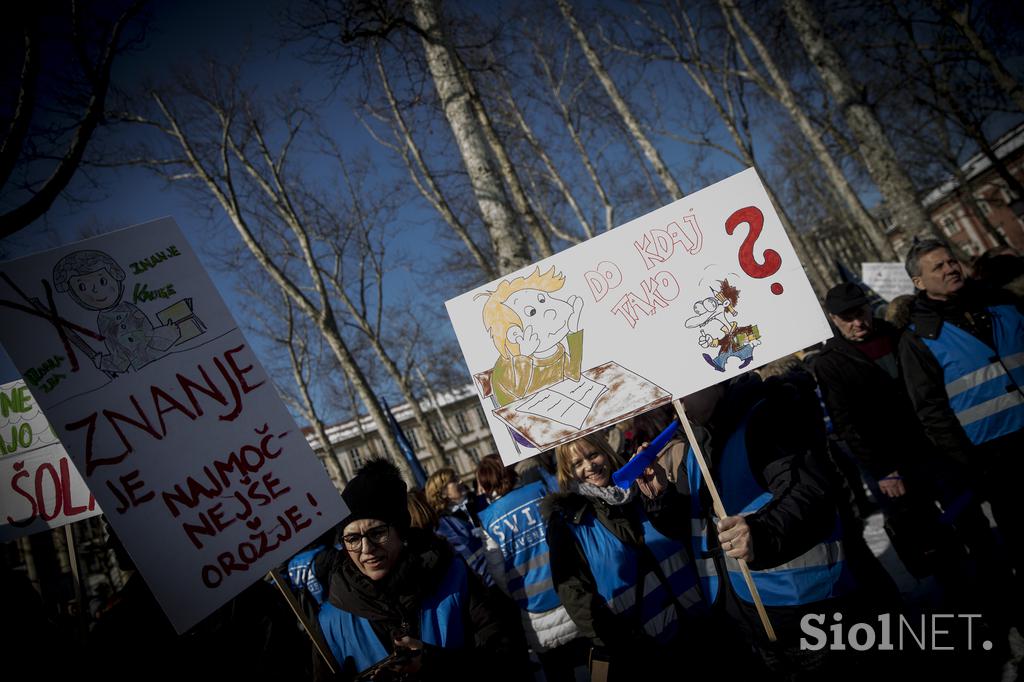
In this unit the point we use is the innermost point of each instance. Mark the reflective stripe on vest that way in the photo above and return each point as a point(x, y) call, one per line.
point(817, 574)
point(614, 566)
point(514, 522)
point(706, 570)
point(441, 623)
point(984, 385)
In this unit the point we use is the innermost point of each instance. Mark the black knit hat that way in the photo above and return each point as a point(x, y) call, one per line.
point(377, 492)
point(844, 297)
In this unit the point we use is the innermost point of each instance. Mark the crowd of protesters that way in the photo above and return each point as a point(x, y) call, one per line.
point(553, 571)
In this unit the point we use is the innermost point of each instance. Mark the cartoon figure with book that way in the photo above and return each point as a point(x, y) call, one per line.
point(96, 282)
point(537, 335)
point(735, 342)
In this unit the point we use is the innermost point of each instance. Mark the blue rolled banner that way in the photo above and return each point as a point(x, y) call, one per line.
point(632, 469)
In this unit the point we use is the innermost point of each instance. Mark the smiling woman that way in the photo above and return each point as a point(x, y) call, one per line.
point(619, 559)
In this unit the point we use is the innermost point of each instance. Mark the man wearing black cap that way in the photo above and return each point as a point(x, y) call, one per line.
point(861, 382)
point(859, 375)
point(861, 379)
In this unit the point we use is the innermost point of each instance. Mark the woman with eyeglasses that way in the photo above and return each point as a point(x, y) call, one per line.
point(397, 597)
point(620, 560)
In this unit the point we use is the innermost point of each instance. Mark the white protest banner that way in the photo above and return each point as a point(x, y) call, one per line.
point(675, 301)
point(888, 280)
point(147, 380)
point(40, 488)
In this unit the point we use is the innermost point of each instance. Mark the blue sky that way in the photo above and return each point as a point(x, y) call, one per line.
point(181, 33)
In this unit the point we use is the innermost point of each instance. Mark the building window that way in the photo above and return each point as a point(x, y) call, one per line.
point(356, 457)
point(984, 206)
point(481, 416)
point(474, 453)
point(413, 435)
point(949, 227)
point(437, 428)
point(461, 425)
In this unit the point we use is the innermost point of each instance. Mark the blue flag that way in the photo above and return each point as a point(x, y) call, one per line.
point(403, 444)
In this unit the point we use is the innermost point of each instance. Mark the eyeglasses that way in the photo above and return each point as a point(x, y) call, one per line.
point(375, 536)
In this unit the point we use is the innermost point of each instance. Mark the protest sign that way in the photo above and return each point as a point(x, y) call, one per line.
point(147, 380)
point(888, 280)
point(667, 304)
point(40, 488)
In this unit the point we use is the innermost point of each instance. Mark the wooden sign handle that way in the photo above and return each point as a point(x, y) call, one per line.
point(720, 512)
point(314, 636)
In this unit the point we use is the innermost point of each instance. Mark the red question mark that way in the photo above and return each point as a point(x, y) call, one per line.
point(752, 216)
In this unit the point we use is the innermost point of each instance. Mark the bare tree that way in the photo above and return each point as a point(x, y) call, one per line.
point(303, 367)
point(777, 87)
point(556, 84)
point(510, 247)
point(723, 91)
point(37, 137)
point(223, 148)
point(962, 20)
point(368, 318)
point(877, 151)
point(420, 172)
point(621, 106)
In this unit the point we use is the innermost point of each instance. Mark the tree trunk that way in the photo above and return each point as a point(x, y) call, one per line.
point(879, 156)
point(505, 165)
point(328, 456)
point(428, 186)
point(619, 102)
point(323, 317)
point(1010, 85)
point(510, 246)
point(725, 106)
point(785, 95)
point(577, 141)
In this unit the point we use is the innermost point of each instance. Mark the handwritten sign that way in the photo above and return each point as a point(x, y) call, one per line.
point(888, 280)
point(40, 488)
point(682, 298)
point(151, 387)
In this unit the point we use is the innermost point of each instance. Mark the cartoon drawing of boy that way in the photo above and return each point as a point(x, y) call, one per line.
point(736, 341)
point(96, 282)
point(527, 325)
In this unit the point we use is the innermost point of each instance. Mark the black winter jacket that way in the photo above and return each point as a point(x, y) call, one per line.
point(870, 410)
point(924, 378)
point(392, 605)
point(786, 451)
point(571, 572)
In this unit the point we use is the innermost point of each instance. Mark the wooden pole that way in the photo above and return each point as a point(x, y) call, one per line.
point(69, 538)
point(720, 512)
point(314, 636)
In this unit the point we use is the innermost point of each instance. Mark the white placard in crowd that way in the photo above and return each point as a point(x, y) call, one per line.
point(176, 428)
point(679, 299)
point(40, 488)
point(888, 280)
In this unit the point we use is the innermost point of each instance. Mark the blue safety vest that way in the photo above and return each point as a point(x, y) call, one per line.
point(984, 385)
point(441, 623)
point(301, 575)
point(615, 565)
point(514, 522)
point(817, 574)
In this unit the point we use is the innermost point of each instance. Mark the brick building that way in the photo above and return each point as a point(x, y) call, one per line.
point(960, 219)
